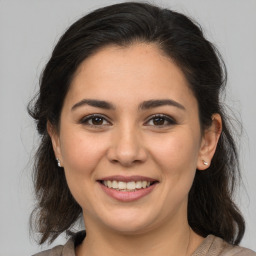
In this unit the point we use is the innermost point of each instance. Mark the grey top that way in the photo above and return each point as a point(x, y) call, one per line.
point(211, 246)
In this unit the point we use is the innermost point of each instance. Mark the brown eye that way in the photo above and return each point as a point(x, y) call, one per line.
point(160, 120)
point(95, 120)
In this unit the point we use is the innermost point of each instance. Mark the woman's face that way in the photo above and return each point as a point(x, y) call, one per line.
point(130, 139)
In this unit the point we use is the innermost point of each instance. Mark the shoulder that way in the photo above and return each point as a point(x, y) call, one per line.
point(67, 249)
point(55, 251)
point(215, 246)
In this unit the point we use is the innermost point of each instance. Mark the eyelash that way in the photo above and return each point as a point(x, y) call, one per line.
point(86, 120)
point(170, 121)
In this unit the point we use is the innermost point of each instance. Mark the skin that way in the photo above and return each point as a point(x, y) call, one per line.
point(129, 141)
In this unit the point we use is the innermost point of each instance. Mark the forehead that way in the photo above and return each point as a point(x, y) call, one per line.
point(139, 71)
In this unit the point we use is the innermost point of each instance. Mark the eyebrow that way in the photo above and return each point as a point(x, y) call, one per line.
point(149, 104)
point(94, 103)
point(159, 103)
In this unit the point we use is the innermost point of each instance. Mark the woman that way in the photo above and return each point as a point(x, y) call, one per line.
point(134, 139)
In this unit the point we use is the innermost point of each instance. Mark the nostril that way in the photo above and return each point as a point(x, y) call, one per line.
point(114, 161)
point(127, 162)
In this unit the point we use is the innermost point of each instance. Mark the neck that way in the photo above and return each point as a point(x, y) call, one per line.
point(168, 240)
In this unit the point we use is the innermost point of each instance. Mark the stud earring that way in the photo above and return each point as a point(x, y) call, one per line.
point(58, 162)
point(205, 163)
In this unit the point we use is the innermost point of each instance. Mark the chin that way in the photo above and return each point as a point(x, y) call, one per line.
point(129, 222)
point(130, 228)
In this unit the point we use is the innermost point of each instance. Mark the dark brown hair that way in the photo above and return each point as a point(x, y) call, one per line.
point(211, 209)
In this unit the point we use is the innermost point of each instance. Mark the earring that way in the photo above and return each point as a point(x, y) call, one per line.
point(58, 162)
point(205, 163)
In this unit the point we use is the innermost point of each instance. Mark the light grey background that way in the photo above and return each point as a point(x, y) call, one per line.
point(28, 31)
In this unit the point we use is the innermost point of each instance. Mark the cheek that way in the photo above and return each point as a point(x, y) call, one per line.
point(81, 155)
point(81, 152)
point(175, 157)
point(176, 152)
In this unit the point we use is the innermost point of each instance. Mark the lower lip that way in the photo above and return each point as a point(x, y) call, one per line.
point(127, 196)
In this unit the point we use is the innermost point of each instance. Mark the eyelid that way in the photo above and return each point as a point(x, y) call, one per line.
point(168, 118)
point(89, 117)
point(171, 121)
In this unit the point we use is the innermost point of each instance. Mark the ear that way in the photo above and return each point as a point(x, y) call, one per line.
point(55, 140)
point(209, 142)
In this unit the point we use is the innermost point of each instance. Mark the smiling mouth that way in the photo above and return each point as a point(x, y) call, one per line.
point(130, 186)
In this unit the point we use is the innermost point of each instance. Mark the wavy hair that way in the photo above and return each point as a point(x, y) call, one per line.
point(211, 209)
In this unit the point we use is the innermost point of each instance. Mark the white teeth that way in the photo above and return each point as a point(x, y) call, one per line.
point(114, 184)
point(131, 185)
point(138, 184)
point(144, 184)
point(121, 185)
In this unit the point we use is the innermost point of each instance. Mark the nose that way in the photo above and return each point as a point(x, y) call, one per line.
point(127, 147)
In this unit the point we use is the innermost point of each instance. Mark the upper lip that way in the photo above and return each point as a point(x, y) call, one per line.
point(127, 178)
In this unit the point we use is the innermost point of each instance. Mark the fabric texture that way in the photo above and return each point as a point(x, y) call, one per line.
point(211, 246)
